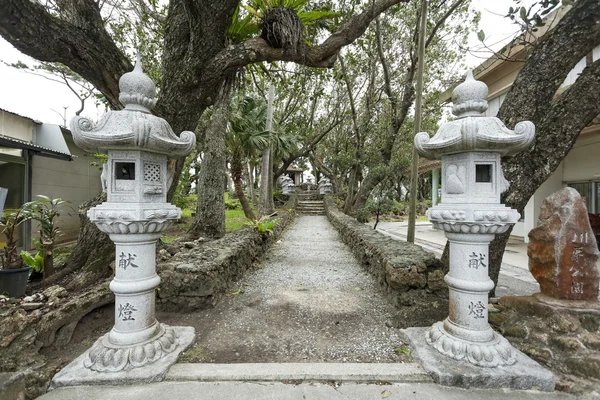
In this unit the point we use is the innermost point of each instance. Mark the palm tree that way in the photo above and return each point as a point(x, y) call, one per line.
point(246, 137)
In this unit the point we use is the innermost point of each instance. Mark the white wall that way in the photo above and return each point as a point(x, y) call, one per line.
point(75, 181)
point(15, 126)
point(583, 161)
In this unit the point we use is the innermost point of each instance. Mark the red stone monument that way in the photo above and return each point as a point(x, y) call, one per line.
point(562, 248)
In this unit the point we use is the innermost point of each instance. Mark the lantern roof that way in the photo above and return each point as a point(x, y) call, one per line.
point(472, 130)
point(133, 128)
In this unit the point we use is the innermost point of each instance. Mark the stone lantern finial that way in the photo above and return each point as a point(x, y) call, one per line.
point(137, 90)
point(470, 98)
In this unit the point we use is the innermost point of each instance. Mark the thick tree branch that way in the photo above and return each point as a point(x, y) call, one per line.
point(556, 54)
point(84, 46)
point(323, 55)
point(304, 151)
point(556, 133)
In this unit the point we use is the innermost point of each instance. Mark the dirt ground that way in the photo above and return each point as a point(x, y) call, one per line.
point(308, 301)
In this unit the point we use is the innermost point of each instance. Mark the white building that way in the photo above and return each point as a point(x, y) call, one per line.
point(581, 168)
point(41, 159)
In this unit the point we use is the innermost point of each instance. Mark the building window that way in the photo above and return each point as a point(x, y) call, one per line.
point(590, 192)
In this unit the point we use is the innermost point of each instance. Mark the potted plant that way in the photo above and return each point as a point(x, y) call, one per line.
point(13, 274)
point(46, 212)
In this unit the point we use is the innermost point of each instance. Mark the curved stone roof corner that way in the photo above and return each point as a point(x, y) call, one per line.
point(133, 128)
point(472, 130)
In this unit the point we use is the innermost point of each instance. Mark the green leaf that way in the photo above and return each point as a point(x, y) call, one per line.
point(481, 35)
point(523, 14)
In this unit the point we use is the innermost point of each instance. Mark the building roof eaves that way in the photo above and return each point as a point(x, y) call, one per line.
point(21, 144)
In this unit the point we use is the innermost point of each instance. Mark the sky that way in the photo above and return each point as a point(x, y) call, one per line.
point(43, 100)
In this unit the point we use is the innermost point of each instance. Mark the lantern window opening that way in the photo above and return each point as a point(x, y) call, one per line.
point(125, 171)
point(483, 173)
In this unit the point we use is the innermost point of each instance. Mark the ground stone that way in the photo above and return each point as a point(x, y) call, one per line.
point(562, 248)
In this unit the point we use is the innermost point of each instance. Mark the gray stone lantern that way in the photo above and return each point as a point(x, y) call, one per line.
point(325, 186)
point(136, 180)
point(470, 148)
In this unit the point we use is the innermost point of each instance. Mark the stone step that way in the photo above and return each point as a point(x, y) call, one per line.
point(321, 210)
point(265, 372)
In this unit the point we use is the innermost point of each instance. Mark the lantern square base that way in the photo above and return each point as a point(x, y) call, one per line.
point(76, 374)
point(524, 374)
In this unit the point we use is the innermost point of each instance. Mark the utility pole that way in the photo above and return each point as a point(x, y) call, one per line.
point(412, 210)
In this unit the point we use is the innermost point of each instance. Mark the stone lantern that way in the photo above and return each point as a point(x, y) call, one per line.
point(470, 214)
point(136, 180)
point(325, 186)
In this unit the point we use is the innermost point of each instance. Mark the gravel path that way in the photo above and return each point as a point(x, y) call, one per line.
point(310, 301)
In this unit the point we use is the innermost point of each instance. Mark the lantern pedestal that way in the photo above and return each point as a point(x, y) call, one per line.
point(75, 374)
point(524, 374)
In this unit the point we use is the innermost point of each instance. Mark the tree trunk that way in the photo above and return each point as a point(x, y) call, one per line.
point(210, 209)
point(94, 251)
point(264, 205)
point(236, 175)
point(48, 251)
point(251, 183)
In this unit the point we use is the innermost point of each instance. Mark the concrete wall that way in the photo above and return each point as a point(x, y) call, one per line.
point(583, 161)
point(15, 126)
point(75, 181)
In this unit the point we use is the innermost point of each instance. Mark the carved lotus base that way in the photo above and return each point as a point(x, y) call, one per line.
point(494, 353)
point(107, 357)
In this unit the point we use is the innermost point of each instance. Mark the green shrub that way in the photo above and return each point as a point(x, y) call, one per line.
point(263, 225)
point(35, 262)
point(185, 202)
point(232, 204)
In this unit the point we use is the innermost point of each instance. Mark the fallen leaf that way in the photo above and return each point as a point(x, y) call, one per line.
point(385, 394)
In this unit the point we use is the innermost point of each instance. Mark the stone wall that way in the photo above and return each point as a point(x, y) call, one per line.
point(566, 340)
point(198, 277)
point(409, 275)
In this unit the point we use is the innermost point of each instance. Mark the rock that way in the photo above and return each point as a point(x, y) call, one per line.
point(12, 386)
point(562, 248)
point(517, 331)
point(435, 280)
point(562, 324)
point(591, 341)
point(566, 343)
point(539, 354)
point(585, 366)
point(31, 306)
point(590, 323)
point(55, 291)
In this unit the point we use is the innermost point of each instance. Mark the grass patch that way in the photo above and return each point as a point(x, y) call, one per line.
point(234, 220)
point(194, 354)
point(168, 239)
